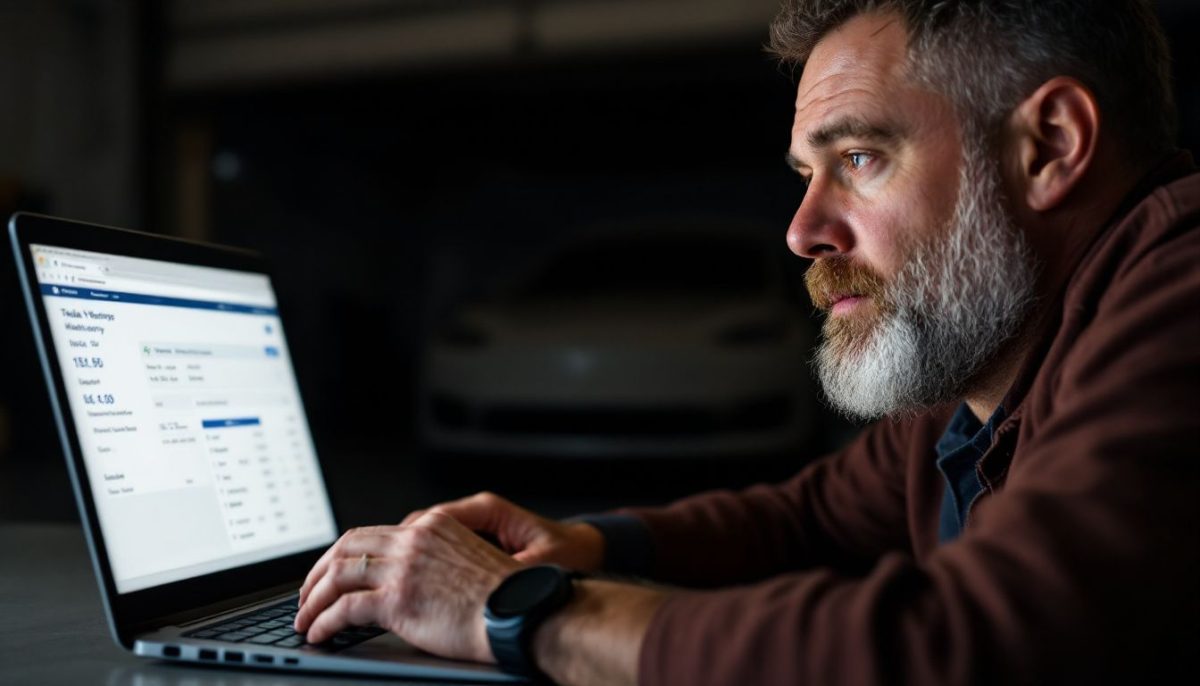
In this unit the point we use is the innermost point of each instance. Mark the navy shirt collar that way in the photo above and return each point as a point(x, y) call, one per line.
point(959, 450)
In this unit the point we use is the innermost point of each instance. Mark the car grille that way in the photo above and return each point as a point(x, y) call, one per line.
point(762, 414)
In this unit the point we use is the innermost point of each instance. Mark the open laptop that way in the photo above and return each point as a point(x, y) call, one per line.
point(194, 469)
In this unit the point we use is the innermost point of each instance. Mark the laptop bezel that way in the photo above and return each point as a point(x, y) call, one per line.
point(137, 611)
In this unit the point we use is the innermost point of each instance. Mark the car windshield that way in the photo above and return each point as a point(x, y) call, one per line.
point(676, 265)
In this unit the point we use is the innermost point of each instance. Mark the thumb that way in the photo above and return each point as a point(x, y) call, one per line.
point(534, 555)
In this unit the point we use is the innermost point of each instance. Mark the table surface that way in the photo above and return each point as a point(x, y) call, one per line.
point(53, 631)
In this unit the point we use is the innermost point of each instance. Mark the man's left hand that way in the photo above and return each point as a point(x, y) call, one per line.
point(426, 581)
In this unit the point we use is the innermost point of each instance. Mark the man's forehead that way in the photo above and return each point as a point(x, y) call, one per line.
point(856, 65)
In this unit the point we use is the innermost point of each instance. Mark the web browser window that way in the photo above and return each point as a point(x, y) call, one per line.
point(178, 377)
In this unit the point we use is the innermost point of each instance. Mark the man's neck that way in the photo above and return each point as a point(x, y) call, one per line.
point(987, 398)
point(993, 383)
point(1057, 239)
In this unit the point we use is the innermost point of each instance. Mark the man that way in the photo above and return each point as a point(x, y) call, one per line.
point(1006, 245)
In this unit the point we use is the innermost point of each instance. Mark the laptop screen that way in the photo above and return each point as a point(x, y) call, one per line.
point(198, 454)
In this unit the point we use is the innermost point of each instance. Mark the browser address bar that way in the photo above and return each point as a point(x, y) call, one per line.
point(126, 275)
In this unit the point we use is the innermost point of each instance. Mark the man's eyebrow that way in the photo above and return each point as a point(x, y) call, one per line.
point(845, 127)
point(851, 127)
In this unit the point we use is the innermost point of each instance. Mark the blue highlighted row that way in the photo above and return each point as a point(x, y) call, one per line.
point(139, 299)
point(230, 423)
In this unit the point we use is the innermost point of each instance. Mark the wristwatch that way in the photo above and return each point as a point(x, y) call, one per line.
point(517, 607)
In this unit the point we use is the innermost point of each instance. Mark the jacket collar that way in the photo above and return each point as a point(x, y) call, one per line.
point(993, 467)
point(1171, 167)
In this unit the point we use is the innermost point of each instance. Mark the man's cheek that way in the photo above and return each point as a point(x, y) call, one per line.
point(880, 231)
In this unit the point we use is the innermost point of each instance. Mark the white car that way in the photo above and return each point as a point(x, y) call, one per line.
point(683, 342)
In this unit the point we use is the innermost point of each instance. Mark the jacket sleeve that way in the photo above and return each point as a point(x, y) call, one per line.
point(1084, 568)
point(841, 511)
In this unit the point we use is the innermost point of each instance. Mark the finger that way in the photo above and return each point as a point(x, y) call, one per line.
point(318, 570)
point(444, 526)
point(344, 575)
point(533, 556)
point(412, 517)
point(353, 609)
point(480, 512)
point(370, 540)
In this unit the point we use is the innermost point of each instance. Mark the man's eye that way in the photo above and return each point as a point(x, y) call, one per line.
point(857, 160)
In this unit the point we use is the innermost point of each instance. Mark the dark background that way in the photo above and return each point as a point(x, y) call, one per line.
point(393, 159)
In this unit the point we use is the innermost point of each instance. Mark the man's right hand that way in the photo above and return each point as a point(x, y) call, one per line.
point(529, 538)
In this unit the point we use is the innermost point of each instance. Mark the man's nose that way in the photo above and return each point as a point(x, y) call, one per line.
point(817, 230)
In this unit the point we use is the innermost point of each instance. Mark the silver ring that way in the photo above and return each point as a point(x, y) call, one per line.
point(362, 564)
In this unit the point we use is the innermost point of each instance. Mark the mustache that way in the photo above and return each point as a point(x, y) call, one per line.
point(830, 279)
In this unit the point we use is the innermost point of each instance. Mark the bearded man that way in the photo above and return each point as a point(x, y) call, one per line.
point(1006, 244)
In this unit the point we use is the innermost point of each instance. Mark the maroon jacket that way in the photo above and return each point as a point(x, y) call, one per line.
point(1079, 561)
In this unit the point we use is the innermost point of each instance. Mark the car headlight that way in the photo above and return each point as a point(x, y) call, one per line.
point(754, 333)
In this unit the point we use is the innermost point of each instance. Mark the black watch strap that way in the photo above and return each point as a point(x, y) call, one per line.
point(517, 608)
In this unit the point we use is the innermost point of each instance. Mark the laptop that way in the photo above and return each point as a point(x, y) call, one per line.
point(200, 490)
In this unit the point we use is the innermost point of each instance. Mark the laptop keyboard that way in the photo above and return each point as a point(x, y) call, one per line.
point(273, 626)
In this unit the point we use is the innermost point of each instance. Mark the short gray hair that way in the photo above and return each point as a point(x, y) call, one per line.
point(989, 55)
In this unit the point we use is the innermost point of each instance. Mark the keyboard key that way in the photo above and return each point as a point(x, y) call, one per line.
point(205, 633)
point(293, 641)
point(280, 633)
point(262, 639)
point(278, 617)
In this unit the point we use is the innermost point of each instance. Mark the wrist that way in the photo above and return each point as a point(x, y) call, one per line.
point(482, 642)
point(550, 648)
point(597, 636)
point(518, 607)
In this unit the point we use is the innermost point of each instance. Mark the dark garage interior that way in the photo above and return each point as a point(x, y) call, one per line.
point(541, 248)
point(407, 166)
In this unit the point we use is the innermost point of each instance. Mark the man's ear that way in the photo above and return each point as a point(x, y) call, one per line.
point(1056, 131)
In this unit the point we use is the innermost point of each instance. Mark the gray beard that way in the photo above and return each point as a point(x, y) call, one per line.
point(957, 301)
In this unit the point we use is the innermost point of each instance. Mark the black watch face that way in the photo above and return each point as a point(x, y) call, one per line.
point(524, 590)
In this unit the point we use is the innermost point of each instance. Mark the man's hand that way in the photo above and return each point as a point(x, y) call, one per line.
point(425, 580)
point(529, 538)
